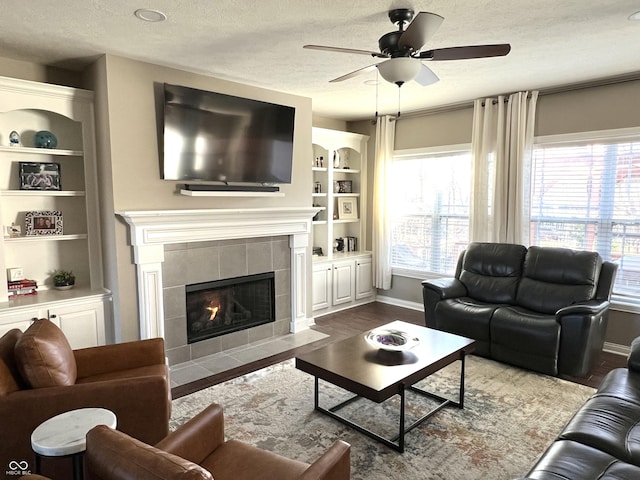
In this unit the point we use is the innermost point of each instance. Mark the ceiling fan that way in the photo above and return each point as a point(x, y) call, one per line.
point(403, 52)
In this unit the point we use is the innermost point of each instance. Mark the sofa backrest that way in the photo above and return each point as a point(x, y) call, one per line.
point(558, 277)
point(491, 271)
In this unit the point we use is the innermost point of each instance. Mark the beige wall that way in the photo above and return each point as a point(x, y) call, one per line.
point(129, 147)
point(584, 110)
point(38, 73)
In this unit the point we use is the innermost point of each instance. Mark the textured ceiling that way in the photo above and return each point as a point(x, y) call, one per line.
point(259, 42)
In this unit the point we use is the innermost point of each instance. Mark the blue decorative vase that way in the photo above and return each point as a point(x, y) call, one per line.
point(45, 139)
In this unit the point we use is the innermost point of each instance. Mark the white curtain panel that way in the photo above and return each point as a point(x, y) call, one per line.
point(502, 142)
point(385, 137)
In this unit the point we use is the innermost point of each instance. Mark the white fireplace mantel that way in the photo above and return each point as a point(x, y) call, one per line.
point(150, 230)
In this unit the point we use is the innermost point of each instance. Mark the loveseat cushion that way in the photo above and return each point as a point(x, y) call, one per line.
point(467, 317)
point(44, 356)
point(491, 271)
point(569, 460)
point(526, 339)
point(112, 454)
point(557, 277)
point(10, 379)
point(610, 424)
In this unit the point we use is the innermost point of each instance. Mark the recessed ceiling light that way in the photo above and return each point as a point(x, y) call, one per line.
point(150, 15)
point(634, 16)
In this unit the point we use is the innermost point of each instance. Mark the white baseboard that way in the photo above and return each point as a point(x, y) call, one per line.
point(400, 303)
point(616, 348)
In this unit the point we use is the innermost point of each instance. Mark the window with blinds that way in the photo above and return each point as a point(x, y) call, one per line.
point(429, 196)
point(586, 195)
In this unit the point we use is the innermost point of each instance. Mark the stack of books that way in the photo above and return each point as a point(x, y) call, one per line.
point(350, 244)
point(20, 288)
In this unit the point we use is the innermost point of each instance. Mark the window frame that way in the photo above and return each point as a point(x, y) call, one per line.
point(412, 153)
point(624, 303)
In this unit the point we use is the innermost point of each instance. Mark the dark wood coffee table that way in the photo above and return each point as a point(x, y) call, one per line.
point(360, 368)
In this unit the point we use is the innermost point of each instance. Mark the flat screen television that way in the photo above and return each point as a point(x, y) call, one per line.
point(215, 137)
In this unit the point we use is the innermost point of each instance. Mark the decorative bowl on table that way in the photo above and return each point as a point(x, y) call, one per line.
point(391, 340)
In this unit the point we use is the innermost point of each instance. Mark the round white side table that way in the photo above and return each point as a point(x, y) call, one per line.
point(66, 435)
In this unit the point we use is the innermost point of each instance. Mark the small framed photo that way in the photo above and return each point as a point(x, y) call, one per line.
point(347, 208)
point(46, 222)
point(39, 176)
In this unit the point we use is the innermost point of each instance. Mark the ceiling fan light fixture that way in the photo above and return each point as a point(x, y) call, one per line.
point(399, 70)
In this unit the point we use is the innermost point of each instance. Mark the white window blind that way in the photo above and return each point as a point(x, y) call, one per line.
point(430, 204)
point(586, 195)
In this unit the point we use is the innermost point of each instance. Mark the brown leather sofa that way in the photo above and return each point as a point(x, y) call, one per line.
point(41, 376)
point(198, 450)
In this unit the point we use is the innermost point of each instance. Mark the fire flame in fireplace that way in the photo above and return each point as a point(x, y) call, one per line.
point(213, 311)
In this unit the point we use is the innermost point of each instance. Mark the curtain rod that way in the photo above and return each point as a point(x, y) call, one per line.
point(632, 77)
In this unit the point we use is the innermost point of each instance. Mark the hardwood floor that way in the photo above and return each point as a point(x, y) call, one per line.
point(361, 319)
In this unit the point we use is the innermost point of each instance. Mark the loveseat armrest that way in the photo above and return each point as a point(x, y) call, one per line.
point(445, 287)
point(582, 330)
point(334, 464)
point(633, 361)
point(436, 289)
point(196, 439)
point(591, 307)
point(94, 361)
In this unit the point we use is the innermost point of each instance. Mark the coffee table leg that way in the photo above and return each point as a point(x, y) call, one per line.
point(315, 393)
point(461, 398)
point(402, 429)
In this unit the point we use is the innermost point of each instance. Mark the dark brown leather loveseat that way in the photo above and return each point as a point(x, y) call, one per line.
point(541, 308)
point(602, 440)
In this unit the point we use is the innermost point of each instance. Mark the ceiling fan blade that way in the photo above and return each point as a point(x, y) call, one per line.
point(346, 50)
point(370, 68)
point(463, 53)
point(426, 76)
point(420, 30)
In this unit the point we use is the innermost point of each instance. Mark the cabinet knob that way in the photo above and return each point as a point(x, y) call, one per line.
point(34, 319)
point(52, 316)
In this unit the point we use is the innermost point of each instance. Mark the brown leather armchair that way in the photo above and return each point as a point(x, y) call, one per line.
point(41, 376)
point(197, 450)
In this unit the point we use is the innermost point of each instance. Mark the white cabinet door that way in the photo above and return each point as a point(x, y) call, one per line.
point(321, 286)
point(82, 324)
point(364, 278)
point(343, 282)
point(21, 319)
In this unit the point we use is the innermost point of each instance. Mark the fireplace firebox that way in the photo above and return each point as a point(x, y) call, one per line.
point(224, 306)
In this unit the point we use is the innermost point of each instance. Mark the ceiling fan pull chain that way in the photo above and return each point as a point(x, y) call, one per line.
point(399, 90)
point(377, 85)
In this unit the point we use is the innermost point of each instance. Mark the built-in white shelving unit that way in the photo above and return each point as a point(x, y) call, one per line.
point(28, 107)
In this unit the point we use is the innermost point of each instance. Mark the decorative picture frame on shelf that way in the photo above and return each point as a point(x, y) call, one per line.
point(345, 186)
point(347, 208)
point(40, 176)
point(43, 222)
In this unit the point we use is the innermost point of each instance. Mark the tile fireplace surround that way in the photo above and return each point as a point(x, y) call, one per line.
point(162, 239)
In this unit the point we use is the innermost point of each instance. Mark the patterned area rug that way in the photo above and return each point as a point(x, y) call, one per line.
point(509, 419)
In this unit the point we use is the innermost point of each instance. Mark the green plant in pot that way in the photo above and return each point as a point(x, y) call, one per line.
point(63, 279)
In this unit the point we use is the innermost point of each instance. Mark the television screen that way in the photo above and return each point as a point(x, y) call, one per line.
point(216, 137)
